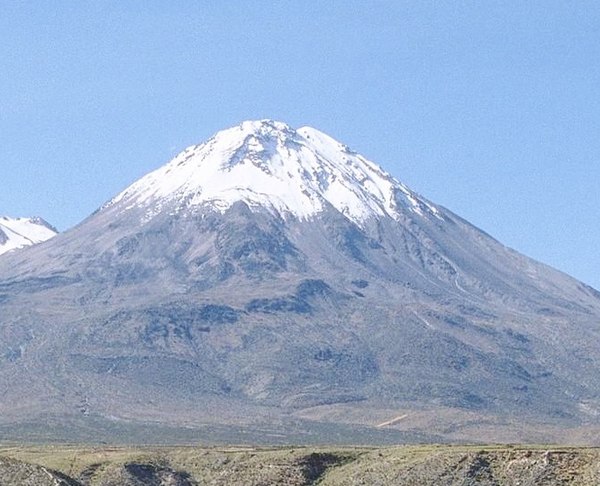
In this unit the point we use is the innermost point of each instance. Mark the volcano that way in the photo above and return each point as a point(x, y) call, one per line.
point(273, 285)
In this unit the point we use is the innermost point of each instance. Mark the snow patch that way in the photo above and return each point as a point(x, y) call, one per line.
point(20, 232)
point(269, 164)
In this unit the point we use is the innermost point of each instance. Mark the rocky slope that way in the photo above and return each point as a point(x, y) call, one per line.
point(423, 466)
point(273, 279)
point(18, 473)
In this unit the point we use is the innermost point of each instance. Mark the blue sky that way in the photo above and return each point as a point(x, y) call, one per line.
point(491, 109)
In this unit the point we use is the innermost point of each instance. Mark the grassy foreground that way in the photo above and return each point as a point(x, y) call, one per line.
point(410, 465)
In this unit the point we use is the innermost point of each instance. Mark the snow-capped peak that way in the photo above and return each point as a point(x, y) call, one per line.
point(19, 232)
point(269, 164)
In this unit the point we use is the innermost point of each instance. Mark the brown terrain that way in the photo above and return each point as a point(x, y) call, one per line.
point(401, 465)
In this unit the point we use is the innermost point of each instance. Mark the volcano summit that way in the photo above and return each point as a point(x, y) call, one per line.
point(266, 164)
point(273, 285)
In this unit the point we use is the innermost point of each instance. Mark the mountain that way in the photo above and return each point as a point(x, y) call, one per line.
point(20, 232)
point(273, 285)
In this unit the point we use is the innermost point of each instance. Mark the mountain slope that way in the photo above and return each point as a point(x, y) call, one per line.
point(273, 276)
point(20, 232)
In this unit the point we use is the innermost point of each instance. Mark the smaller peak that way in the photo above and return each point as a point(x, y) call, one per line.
point(19, 232)
point(31, 220)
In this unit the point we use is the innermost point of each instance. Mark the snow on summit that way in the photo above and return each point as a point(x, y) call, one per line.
point(20, 232)
point(271, 165)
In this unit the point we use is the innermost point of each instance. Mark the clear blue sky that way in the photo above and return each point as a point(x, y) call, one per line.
point(490, 108)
